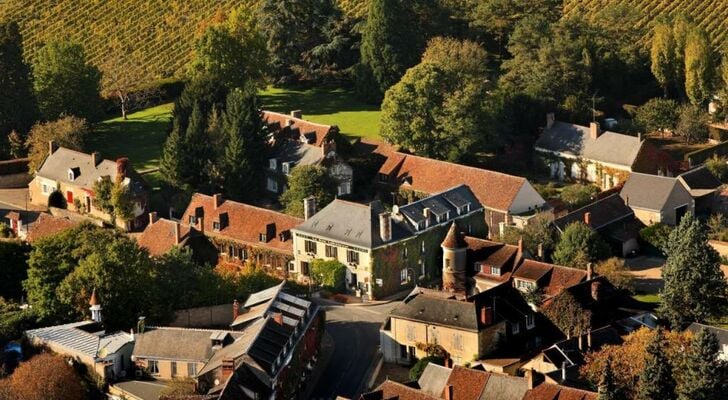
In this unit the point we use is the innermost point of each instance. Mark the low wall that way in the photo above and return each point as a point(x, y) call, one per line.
point(218, 316)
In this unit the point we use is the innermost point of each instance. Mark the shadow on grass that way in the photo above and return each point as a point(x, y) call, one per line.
point(313, 101)
point(139, 139)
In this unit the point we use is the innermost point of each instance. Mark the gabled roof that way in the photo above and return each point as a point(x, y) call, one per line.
point(650, 192)
point(568, 350)
point(433, 379)
point(504, 387)
point(85, 338)
point(438, 310)
point(467, 383)
point(494, 190)
point(274, 300)
point(245, 222)
point(575, 140)
point(699, 181)
point(317, 132)
point(390, 390)
point(176, 343)
point(159, 238)
point(720, 333)
point(602, 212)
point(56, 167)
point(486, 252)
point(550, 277)
point(547, 391)
point(47, 225)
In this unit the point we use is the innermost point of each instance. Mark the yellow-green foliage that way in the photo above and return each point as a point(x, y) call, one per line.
point(709, 15)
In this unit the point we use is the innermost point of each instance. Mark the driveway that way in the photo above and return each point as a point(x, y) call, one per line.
point(355, 332)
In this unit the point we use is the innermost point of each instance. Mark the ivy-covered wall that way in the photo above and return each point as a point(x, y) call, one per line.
point(272, 262)
point(388, 262)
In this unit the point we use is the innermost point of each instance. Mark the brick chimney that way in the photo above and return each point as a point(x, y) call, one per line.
point(550, 120)
point(587, 218)
point(449, 392)
point(531, 378)
point(595, 289)
point(589, 340)
point(563, 371)
point(594, 130)
point(589, 271)
point(581, 342)
point(236, 309)
point(385, 226)
point(51, 147)
point(96, 158)
point(278, 318)
point(177, 233)
point(520, 245)
point(201, 223)
point(152, 217)
point(297, 114)
point(216, 200)
point(486, 316)
point(448, 361)
point(309, 207)
point(121, 168)
point(228, 367)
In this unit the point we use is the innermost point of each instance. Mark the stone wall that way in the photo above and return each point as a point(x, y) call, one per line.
point(219, 316)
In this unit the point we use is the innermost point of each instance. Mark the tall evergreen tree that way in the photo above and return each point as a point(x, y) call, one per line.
point(703, 380)
point(657, 381)
point(695, 288)
point(171, 163)
point(607, 387)
point(243, 155)
point(196, 148)
point(18, 107)
point(699, 68)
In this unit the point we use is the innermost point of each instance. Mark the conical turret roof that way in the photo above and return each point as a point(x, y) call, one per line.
point(454, 239)
point(94, 299)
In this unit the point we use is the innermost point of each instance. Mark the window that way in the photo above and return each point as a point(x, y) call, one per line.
point(403, 276)
point(383, 177)
point(344, 188)
point(310, 246)
point(47, 189)
point(457, 341)
point(273, 164)
point(191, 369)
point(291, 266)
point(352, 256)
point(494, 270)
point(272, 185)
point(331, 251)
point(529, 321)
point(71, 177)
point(304, 268)
point(525, 285)
point(286, 168)
point(215, 225)
point(447, 263)
point(193, 220)
point(262, 237)
point(174, 368)
point(411, 333)
point(153, 367)
point(404, 252)
point(478, 267)
point(515, 328)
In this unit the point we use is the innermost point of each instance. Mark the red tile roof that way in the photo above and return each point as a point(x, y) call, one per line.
point(547, 391)
point(245, 222)
point(494, 190)
point(468, 384)
point(454, 238)
point(47, 225)
point(394, 390)
point(495, 254)
point(555, 277)
point(159, 238)
point(278, 121)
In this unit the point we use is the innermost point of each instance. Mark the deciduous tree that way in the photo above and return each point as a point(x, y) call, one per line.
point(699, 67)
point(59, 380)
point(692, 124)
point(579, 243)
point(70, 132)
point(662, 56)
point(566, 313)
point(305, 181)
point(658, 115)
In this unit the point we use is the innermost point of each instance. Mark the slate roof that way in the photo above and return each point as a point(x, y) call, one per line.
point(568, 350)
point(437, 310)
point(699, 181)
point(317, 132)
point(81, 338)
point(494, 190)
point(576, 140)
point(274, 300)
point(603, 212)
point(433, 379)
point(650, 192)
point(244, 222)
point(47, 225)
point(298, 153)
point(159, 238)
point(176, 343)
point(720, 334)
point(56, 167)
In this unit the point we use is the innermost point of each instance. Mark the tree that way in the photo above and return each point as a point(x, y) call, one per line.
point(607, 389)
point(566, 313)
point(658, 114)
point(70, 132)
point(331, 274)
point(656, 380)
point(14, 271)
point(718, 166)
point(579, 243)
point(699, 68)
point(305, 181)
point(578, 195)
point(662, 56)
point(537, 233)
point(616, 272)
point(703, 380)
point(65, 82)
point(438, 108)
point(59, 382)
point(16, 145)
point(695, 288)
point(172, 164)
point(123, 78)
point(122, 201)
point(692, 124)
point(245, 148)
point(416, 371)
point(18, 107)
point(103, 193)
point(391, 43)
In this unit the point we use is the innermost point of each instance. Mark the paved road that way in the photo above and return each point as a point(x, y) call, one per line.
point(355, 331)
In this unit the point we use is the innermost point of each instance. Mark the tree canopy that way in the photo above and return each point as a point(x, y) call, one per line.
point(70, 132)
point(578, 245)
point(60, 381)
point(306, 181)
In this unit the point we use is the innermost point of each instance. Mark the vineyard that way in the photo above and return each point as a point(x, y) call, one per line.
point(711, 15)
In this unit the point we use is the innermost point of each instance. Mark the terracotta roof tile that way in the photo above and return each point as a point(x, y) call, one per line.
point(495, 254)
point(468, 384)
point(47, 225)
point(546, 391)
point(278, 121)
point(393, 390)
point(245, 222)
point(552, 278)
point(454, 238)
point(159, 238)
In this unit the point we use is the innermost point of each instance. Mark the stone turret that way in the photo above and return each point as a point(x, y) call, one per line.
point(95, 307)
point(454, 260)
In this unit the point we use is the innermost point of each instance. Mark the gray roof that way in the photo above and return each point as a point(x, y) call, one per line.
point(720, 333)
point(176, 343)
point(504, 387)
point(358, 224)
point(649, 191)
point(603, 213)
point(300, 153)
point(433, 379)
point(575, 140)
point(263, 296)
point(144, 390)
point(699, 181)
point(85, 338)
point(56, 167)
point(438, 310)
point(274, 300)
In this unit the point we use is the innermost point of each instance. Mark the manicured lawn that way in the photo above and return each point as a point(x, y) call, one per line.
point(648, 298)
point(326, 106)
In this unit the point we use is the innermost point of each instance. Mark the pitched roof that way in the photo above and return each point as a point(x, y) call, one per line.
point(159, 238)
point(494, 190)
point(649, 191)
point(390, 390)
point(488, 253)
point(94, 299)
point(433, 379)
point(699, 181)
point(245, 222)
point(317, 132)
point(176, 343)
point(602, 212)
point(47, 225)
point(550, 277)
point(720, 333)
point(84, 338)
point(438, 310)
point(467, 383)
point(547, 391)
point(576, 140)
point(273, 300)
point(56, 167)
point(568, 350)
point(454, 238)
point(504, 387)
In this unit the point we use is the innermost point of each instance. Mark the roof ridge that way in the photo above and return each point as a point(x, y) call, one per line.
point(246, 205)
point(591, 204)
point(177, 328)
point(460, 165)
point(298, 119)
point(656, 176)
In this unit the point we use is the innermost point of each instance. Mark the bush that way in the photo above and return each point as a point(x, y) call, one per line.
point(578, 195)
point(330, 274)
point(718, 166)
point(419, 367)
point(579, 245)
point(656, 235)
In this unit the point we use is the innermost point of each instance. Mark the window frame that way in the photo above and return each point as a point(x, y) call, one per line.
point(310, 246)
point(191, 369)
point(153, 367)
point(331, 251)
point(173, 368)
point(352, 256)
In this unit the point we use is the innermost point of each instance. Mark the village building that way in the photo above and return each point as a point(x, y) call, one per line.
point(299, 142)
point(656, 198)
point(162, 235)
point(70, 175)
point(384, 252)
point(244, 235)
point(507, 200)
point(588, 154)
point(86, 342)
point(703, 187)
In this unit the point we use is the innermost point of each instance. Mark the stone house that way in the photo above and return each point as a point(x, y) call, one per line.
point(299, 142)
point(703, 187)
point(384, 252)
point(73, 174)
point(657, 198)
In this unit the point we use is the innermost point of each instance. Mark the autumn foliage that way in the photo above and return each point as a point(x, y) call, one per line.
point(43, 377)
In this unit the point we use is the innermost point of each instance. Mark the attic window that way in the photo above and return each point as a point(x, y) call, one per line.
point(73, 173)
point(530, 323)
point(193, 220)
point(286, 167)
point(70, 175)
point(495, 270)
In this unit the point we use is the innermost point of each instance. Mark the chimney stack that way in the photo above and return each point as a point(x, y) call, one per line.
point(520, 245)
point(309, 207)
point(595, 288)
point(486, 316)
point(588, 340)
point(216, 200)
point(121, 167)
point(278, 318)
point(51, 147)
point(177, 234)
point(236, 309)
point(95, 158)
point(587, 218)
point(448, 361)
point(550, 119)
point(228, 367)
point(152, 217)
point(449, 392)
point(581, 342)
point(297, 114)
point(589, 271)
point(594, 130)
point(385, 226)
point(201, 222)
point(531, 378)
point(540, 251)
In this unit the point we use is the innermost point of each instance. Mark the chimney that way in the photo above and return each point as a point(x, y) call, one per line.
point(121, 166)
point(236, 309)
point(177, 233)
point(309, 207)
point(626, 200)
point(589, 271)
point(327, 147)
point(385, 226)
point(563, 371)
point(228, 367)
point(278, 318)
point(297, 114)
point(449, 392)
point(96, 158)
point(594, 130)
point(531, 378)
point(426, 213)
point(216, 200)
point(131, 334)
point(540, 251)
point(152, 217)
point(587, 218)
point(201, 222)
point(595, 288)
point(520, 245)
point(51, 147)
point(448, 361)
point(550, 119)
point(581, 342)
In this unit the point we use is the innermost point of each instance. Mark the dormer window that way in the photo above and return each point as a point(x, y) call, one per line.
point(495, 270)
point(70, 175)
point(263, 237)
point(192, 220)
point(530, 323)
point(73, 173)
point(478, 267)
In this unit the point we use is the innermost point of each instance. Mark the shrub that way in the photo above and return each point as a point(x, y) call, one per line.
point(656, 235)
point(330, 274)
point(419, 367)
point(578, 195)
point(718, 166)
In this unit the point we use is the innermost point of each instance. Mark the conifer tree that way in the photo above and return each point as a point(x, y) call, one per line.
point(607, 388)
point(657, 381)
point(703, 380)
point(171, 161)
point(695, 288)
point(196, 148)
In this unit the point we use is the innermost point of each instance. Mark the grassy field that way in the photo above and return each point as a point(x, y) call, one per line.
point(648, 298)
